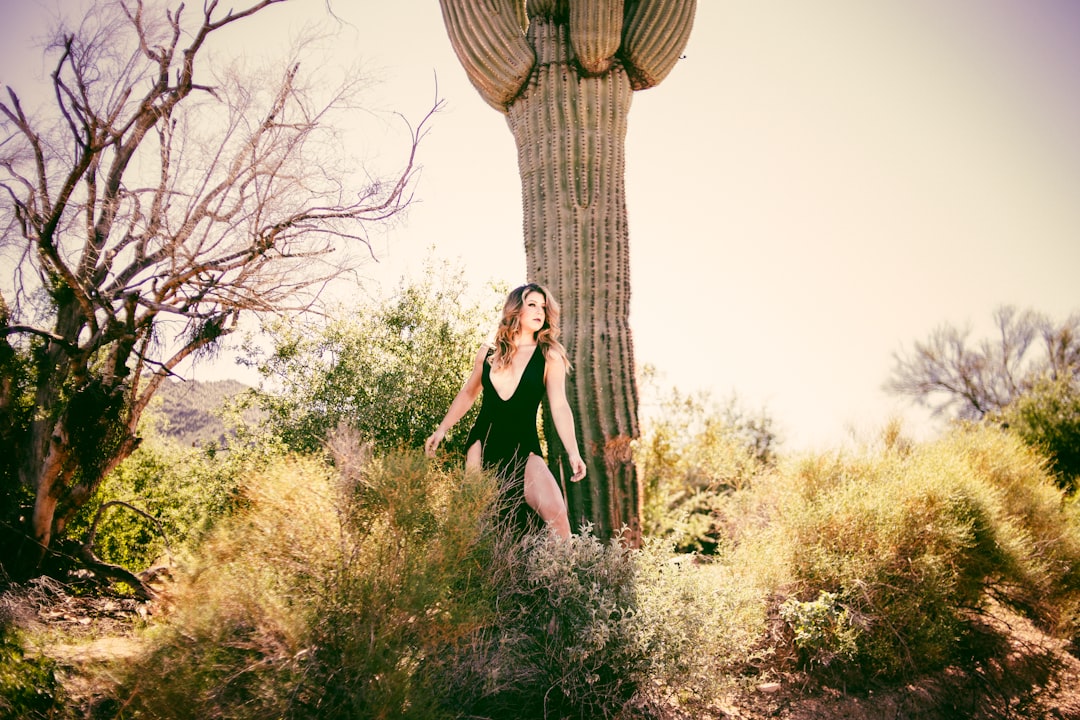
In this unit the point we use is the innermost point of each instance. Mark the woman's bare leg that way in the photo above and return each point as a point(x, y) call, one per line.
point(544, 496)
point(474, 457)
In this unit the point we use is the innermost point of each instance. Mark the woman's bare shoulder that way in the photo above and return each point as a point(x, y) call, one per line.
point(553, 356)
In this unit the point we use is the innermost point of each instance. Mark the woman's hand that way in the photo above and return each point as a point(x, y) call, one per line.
point(432, 443)
point(578, 466)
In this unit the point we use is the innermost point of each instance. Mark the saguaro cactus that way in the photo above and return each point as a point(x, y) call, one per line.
point(563, 72)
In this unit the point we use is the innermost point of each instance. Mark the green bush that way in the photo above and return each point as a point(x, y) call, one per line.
point(909, 546)
point(821, 628)
point(1047, 416)
point(29, 688)
point(692, 453)
point(185, 490)
point(388, 369)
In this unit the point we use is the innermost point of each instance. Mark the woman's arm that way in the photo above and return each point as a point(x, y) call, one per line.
point(461, 404)
point(555, 379)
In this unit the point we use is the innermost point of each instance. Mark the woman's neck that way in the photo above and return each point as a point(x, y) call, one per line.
point(524, 340)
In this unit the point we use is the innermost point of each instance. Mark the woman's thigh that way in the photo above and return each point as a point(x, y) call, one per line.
point(474, 456)
point(541, 489)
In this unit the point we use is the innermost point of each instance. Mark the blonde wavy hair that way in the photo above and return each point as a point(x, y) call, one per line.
point(547, 339)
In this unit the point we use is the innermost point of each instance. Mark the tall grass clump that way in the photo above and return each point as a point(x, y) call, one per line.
point(410, 589)
point(884, 562)
point(241, 623)
point(381, 586)
point(323, 595)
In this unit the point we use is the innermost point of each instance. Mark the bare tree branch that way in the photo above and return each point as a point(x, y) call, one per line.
point(30, 330)
point(951, 377)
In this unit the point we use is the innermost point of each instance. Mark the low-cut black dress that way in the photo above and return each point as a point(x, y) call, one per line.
point(506, 431)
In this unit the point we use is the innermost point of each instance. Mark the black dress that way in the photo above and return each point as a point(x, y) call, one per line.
point(506, 431)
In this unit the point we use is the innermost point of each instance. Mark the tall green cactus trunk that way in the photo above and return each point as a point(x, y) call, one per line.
point(564, 72)
point(570, 132)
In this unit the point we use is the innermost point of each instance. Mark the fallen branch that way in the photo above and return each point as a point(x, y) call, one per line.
point(116, 572)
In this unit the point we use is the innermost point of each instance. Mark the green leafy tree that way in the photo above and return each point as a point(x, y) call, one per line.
point(389, 370)
point(159, 199)
point(564, 72)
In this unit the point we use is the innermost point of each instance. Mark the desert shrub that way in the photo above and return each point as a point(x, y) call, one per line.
point(890, 551)
point(697, 625)
point(588, 630)
point(327, 594)
point(1037, 525)
point(234, 645)
point(896, 552)
point(692, 453)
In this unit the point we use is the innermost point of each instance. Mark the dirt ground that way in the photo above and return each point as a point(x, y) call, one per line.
point(1038, 679)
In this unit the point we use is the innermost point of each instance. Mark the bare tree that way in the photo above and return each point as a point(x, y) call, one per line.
point(967, 380)
point(158, 201)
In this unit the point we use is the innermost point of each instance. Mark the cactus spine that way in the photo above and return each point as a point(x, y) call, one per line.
point(564, 72)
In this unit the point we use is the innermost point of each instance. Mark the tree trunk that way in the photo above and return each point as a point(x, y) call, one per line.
point(570, 132)
point(72, 445)
point(46, 463)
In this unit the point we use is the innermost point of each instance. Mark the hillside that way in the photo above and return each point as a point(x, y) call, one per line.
point(192, 409)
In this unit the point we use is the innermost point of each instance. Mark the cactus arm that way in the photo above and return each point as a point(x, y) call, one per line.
point(595, 33)
point(489, 41)
point(654, 35)
point(554, 10)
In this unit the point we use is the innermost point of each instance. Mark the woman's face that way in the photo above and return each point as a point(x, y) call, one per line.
point(533, 312)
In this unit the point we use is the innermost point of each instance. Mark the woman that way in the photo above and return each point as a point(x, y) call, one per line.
point(525, 361)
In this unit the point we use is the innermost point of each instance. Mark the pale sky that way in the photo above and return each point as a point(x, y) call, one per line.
point(815, 186)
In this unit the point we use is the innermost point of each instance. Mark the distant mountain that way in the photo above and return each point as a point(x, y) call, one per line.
point(192, 409)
